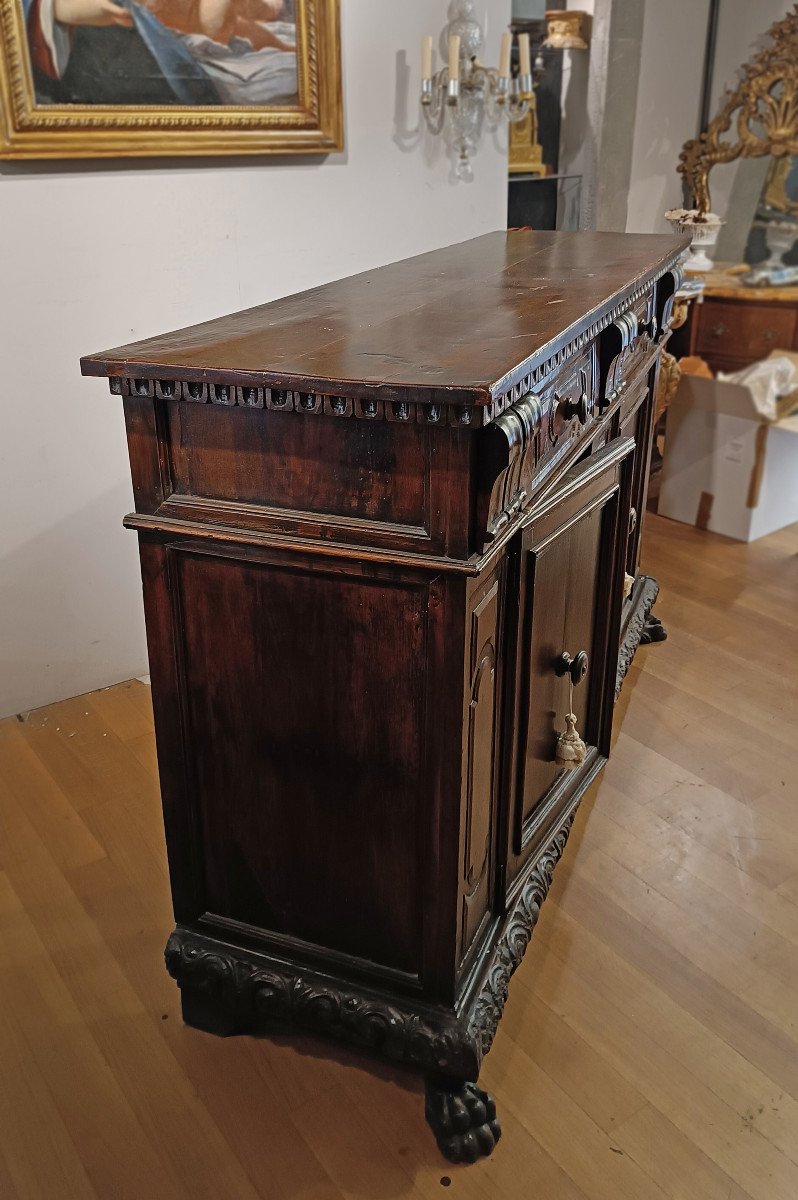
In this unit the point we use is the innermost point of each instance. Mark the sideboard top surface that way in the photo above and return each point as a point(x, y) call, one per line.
point(454, 325)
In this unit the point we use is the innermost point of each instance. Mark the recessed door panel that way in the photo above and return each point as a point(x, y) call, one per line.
point(570, 579)
point(562, 579)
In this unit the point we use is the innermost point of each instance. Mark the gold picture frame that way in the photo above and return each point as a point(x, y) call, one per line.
point(313, 124)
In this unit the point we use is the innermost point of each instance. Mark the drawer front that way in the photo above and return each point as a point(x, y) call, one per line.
point(570, 568)
point(538, 435)
point(744, 331)
point(568, 412)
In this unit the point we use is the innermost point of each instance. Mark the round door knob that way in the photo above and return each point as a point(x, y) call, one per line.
point(576, 408)
point(719, 330)
point(770, 335)
point(575, 667)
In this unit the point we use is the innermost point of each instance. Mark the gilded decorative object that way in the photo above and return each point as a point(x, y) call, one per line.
point(681, 309)
point(566, 30)
point(669, 375)
point(763, 109)
point(261, 77)
point(525, 151)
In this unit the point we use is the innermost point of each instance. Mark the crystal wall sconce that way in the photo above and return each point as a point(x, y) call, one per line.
point(467, 91)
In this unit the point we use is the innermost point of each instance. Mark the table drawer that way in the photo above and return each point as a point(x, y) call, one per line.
point(747, 331)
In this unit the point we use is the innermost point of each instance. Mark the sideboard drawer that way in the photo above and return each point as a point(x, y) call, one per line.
point(569, 407)
point(533, 438)
point(747, 331)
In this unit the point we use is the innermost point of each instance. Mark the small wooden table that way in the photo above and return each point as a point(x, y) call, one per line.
point(735, 325)
point(384, 527)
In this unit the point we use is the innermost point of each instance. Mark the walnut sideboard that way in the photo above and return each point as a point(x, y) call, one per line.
point(385, 530)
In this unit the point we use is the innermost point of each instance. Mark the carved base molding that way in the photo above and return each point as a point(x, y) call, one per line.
point(227, 990)
point(641, 627)
point(513, 940)
point(234, 990)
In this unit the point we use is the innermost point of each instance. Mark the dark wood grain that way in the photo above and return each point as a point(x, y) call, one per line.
point(451, 325)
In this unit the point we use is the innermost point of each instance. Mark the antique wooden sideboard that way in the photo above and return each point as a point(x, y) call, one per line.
point(385, 530)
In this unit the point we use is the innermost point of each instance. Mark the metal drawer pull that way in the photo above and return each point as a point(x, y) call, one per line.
point(576, 408)
point(575, 667)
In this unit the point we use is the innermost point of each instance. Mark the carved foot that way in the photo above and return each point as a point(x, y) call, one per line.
point(201, 1010)
point(463, 1119)
point(653, 631)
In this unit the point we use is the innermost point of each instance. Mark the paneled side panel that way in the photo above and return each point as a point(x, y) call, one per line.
point(481, 760)
point(372, 470)
point(305, 711)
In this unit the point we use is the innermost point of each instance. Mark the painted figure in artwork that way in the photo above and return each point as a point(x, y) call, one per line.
point(192, 52)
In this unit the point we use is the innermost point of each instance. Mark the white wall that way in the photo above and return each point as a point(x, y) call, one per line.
point(669, 97)
point(668, 104)
point(98, 255)
point(735, 187)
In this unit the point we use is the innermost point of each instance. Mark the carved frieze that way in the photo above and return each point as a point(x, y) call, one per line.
point(511, 946)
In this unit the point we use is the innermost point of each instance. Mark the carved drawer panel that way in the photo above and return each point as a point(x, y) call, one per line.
point(568, 410)
point(525, 445)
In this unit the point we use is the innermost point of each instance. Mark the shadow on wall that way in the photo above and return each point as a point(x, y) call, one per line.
point(409, 127)
point(43, 582)
point(577, 137)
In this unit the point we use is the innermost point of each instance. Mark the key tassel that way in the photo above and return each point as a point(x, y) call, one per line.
point(571, 750)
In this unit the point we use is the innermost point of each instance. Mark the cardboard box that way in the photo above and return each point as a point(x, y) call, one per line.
point(725, 467)
point(787, 404)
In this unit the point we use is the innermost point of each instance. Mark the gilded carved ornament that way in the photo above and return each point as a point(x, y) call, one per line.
point(759, 117)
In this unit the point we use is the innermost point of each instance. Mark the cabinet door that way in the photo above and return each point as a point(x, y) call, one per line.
point(570, 588)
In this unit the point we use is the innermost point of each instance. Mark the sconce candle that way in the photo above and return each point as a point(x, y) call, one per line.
point(524, 54)
point(524, 82)
point(504, 56)
point(454, 58)
point(426, 58)
point(453, 89)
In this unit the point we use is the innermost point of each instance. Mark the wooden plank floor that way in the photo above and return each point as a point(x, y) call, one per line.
point(650, 1045)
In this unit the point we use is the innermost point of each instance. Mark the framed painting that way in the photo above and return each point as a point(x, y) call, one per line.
point(111, 78)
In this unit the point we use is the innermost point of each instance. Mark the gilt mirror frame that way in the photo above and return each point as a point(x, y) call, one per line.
point(761, 112)
point(313, 124)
